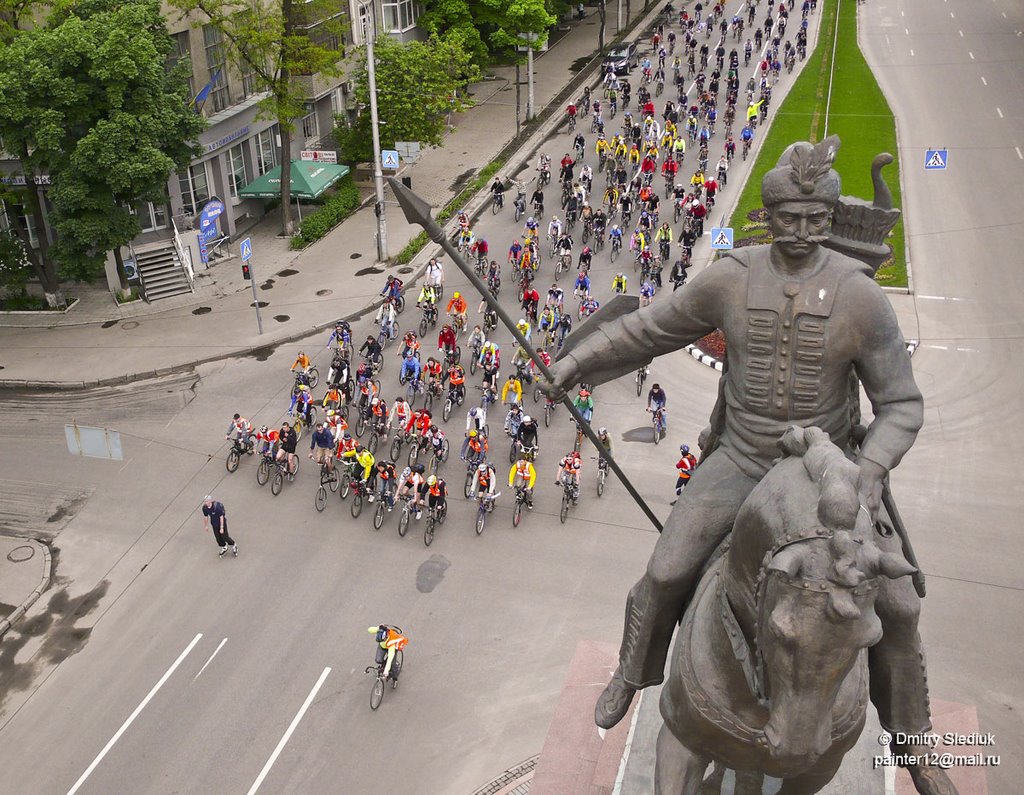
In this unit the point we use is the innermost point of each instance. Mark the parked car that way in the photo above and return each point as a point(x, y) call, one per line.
point(623, 58)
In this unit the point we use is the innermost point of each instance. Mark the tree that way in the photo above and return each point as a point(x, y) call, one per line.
point(454, 20)
point(277, 41)
point(602, 10)
point(418, 85)
point(86, 100)
point(511, 18)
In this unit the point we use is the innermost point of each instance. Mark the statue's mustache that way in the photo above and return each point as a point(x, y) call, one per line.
point(801, 239)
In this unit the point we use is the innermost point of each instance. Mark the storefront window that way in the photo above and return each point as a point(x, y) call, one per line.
point(195, 187)
point(238, 178)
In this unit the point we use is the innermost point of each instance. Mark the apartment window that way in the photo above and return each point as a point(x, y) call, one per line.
point(216, 61)
point(179, 52)
point(151, 216)
point(7, 220)
point(250, 80)
point(195, 187)
point(310, 125)
point(399, 15)
point(238, 178)
point(266, 150)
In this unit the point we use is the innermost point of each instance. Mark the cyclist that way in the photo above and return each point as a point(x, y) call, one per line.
point(386, 316)
point(432, 371)
point(527, 434)
point(685, 466)
point(475, 446)
point(584, 404)
point(361, 461)
point(413, 485)
point(342, 335)
point(269, 439)
point(589, 305)
point(514, 386)
point(548, 319)
point(385, 475)
point(569, 473)
point(619, 283)
point(427, 298)
point(389, 641)
point(513, 420)
point(303, 399)
point(606, 442)
point(243, 428)
point(646, 293)
point(524, 327)
point(523, 475)
point(437, 492)
point(302, 364)
point(393, 288)
point(322, 440)
point(556, 298)
point(586, 256)
point(490, 355)
point(457, 308)
point(410, 345)
point(400, 413)
point(370, 349)
point(435, 436)
point(456, 376)
point(663, 237)
point(379, 409)
point(529, 304)
point(485, 480)
point(615, 234)
point(581, 287)
point(435, 275)
point(288, 441)
point(564, 327)
point(336, 424)
point(446, 340)
point(347, 445)
point(657, 399)
point(476, 420)
point(411, 369)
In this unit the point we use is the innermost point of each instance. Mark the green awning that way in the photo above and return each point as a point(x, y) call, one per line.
point(308, 180)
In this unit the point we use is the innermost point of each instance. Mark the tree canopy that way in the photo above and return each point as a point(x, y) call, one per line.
point(489, 27)
point(418, 84)
point(87, 101)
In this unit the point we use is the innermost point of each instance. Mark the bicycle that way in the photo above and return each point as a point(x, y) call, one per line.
point(281, 473)
point(570, 494)
point(310, 377)
point(265, 465)
point(359, 488)
point(474, 360)
point(616, 247)
point(387, 333)
point(429, 319)
point(377, 692)
point(472, 462)
point(521, 500)
point(383, 502)
point(438, 457)
point(305, 417)
point(602, 473)
point(406, 514)
point(455, 398)
point(363, 414)
point(641, 376)
point(564, 263)
point(497, 202)
point(328, 479)
point(434, 517)
point(414, 388)
point(658, 420)
point(485, 506)
point(378, 431)
point(400, 438)
point(236, 452)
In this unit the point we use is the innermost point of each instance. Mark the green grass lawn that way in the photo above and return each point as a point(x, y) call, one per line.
point(858, 114)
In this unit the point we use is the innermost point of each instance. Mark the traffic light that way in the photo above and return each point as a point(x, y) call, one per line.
point(245, 271)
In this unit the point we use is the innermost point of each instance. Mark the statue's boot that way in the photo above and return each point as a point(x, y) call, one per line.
point(613, 703)
point(928, 779)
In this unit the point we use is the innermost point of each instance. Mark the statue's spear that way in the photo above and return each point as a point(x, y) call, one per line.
point(417, 211)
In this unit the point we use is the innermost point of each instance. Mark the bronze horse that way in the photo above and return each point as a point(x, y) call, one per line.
point(778, 683)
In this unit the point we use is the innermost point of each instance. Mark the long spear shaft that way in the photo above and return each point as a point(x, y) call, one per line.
point(417, 211)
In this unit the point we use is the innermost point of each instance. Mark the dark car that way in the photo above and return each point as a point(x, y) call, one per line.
point(623, 58)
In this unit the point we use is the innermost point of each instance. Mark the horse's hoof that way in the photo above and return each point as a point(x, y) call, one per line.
point(613, 703)
point(930, 780)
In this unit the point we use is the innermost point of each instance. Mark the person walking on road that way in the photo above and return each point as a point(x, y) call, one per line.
point(215, 517)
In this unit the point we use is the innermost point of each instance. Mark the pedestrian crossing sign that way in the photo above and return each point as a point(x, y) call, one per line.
point(935, 159)
point(721, 238)
point(389, 158)
point(245, 249)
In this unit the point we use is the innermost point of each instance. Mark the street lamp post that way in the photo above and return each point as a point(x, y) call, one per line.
point(370, 31)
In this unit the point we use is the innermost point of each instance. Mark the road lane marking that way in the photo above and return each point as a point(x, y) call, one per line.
point(134, 715)
point(1021, 156)
point(961, 33)
point(999, 112)
point(911, 53)
point(937, 347)
point(971, 54)
point(984, 82)
point(951, 16)
point(907, 31)
point(939, 298)
point(211, 659)
point(288, 733)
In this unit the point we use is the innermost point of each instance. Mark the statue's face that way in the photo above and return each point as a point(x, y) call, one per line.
point(799, 227)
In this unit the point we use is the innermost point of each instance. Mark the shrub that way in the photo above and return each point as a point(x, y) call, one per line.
point(334, 210)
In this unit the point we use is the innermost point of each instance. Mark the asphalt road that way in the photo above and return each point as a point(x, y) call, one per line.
point(492, 619)
point(952, 71)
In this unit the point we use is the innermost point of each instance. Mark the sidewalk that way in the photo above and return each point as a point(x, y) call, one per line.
point(302, 291)
point(26, 567)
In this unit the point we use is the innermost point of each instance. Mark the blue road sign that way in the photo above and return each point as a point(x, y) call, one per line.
point(721, 238)
point(245, 249)
point(389, 158)
point(936, 159)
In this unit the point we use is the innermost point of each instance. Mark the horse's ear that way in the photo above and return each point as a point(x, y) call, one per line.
point(793, 442)
point(893, 565)
point(788, 561)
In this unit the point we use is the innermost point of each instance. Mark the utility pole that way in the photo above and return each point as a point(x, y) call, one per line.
point(519, 100)
point(378, 174)
point(618, 19)
point(530, 110)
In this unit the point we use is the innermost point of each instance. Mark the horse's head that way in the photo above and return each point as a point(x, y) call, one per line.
point(815, 606)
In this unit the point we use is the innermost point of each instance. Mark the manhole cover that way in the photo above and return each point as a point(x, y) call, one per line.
point(110, 323)
point(357, 255)
point(368, 271)
point(261, 303)
point(21, 554)
point(130, 324)
point(405, 269)
point(286, 272)
point(202, 310)
point(282, 318)
point(267, 286)
point(324, 292)
point(2, 367)
point(262, 354)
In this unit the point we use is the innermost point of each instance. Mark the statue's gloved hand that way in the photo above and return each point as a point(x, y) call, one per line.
point(565, 374)
point(869, 486)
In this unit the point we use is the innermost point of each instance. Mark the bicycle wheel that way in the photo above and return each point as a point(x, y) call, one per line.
point(547, 415)
point(314, 377)
point(657, 433)
point(357, 504)
point(297, 426)
point(346, 485)
point(377, 694)
point(423, 327)
point(564, 511)
point(233, 459)
point(600, 483)
point(371, 444)
point(277, 483)
point(360, 425)
point(400, 305)
point(333, 482)
point(263, 472)
point(403, 522)
point(481, 518)
point(536, 394)
point(512, 453)
point(396, 447)
point(639, 384)
point(396, 668)
point(517, 514)
point(428, 533)
point(321, 499)
point(467, 489)
point(378, 515)
point(414, 452)
point(446, 449)
point(446, 412)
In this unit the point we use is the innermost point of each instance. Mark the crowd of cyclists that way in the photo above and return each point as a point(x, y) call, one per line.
point(391, 449)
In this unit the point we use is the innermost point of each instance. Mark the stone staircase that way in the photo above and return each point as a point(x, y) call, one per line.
point(161, 271)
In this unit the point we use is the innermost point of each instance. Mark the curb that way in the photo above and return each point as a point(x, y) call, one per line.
point(511, 780)
point(711, 361)
point(33, 597)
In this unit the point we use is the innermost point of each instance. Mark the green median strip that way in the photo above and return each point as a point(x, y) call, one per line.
point(858, 114)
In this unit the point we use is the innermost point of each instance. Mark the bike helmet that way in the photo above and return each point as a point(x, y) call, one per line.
point(433, 429)
point(684, 449)
point(264, 429)
point(418, 469)
point(432, 480)
point(530, 220)
point(584, 393)
point(331, 412)
point(348, 436)
point(527, 419)
point(237, 416)
point(473, 411)
point(586, 249)
point(457, 295)
point(375, 402)
point(602, 431)
point(482, 467)
point(472, 434)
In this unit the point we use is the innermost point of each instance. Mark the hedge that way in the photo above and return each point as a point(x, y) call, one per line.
point(334, 210)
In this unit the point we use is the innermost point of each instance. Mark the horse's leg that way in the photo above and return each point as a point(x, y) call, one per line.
point(713, 781)
point(749, 782)
point(808, 783)
point(677, 770)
